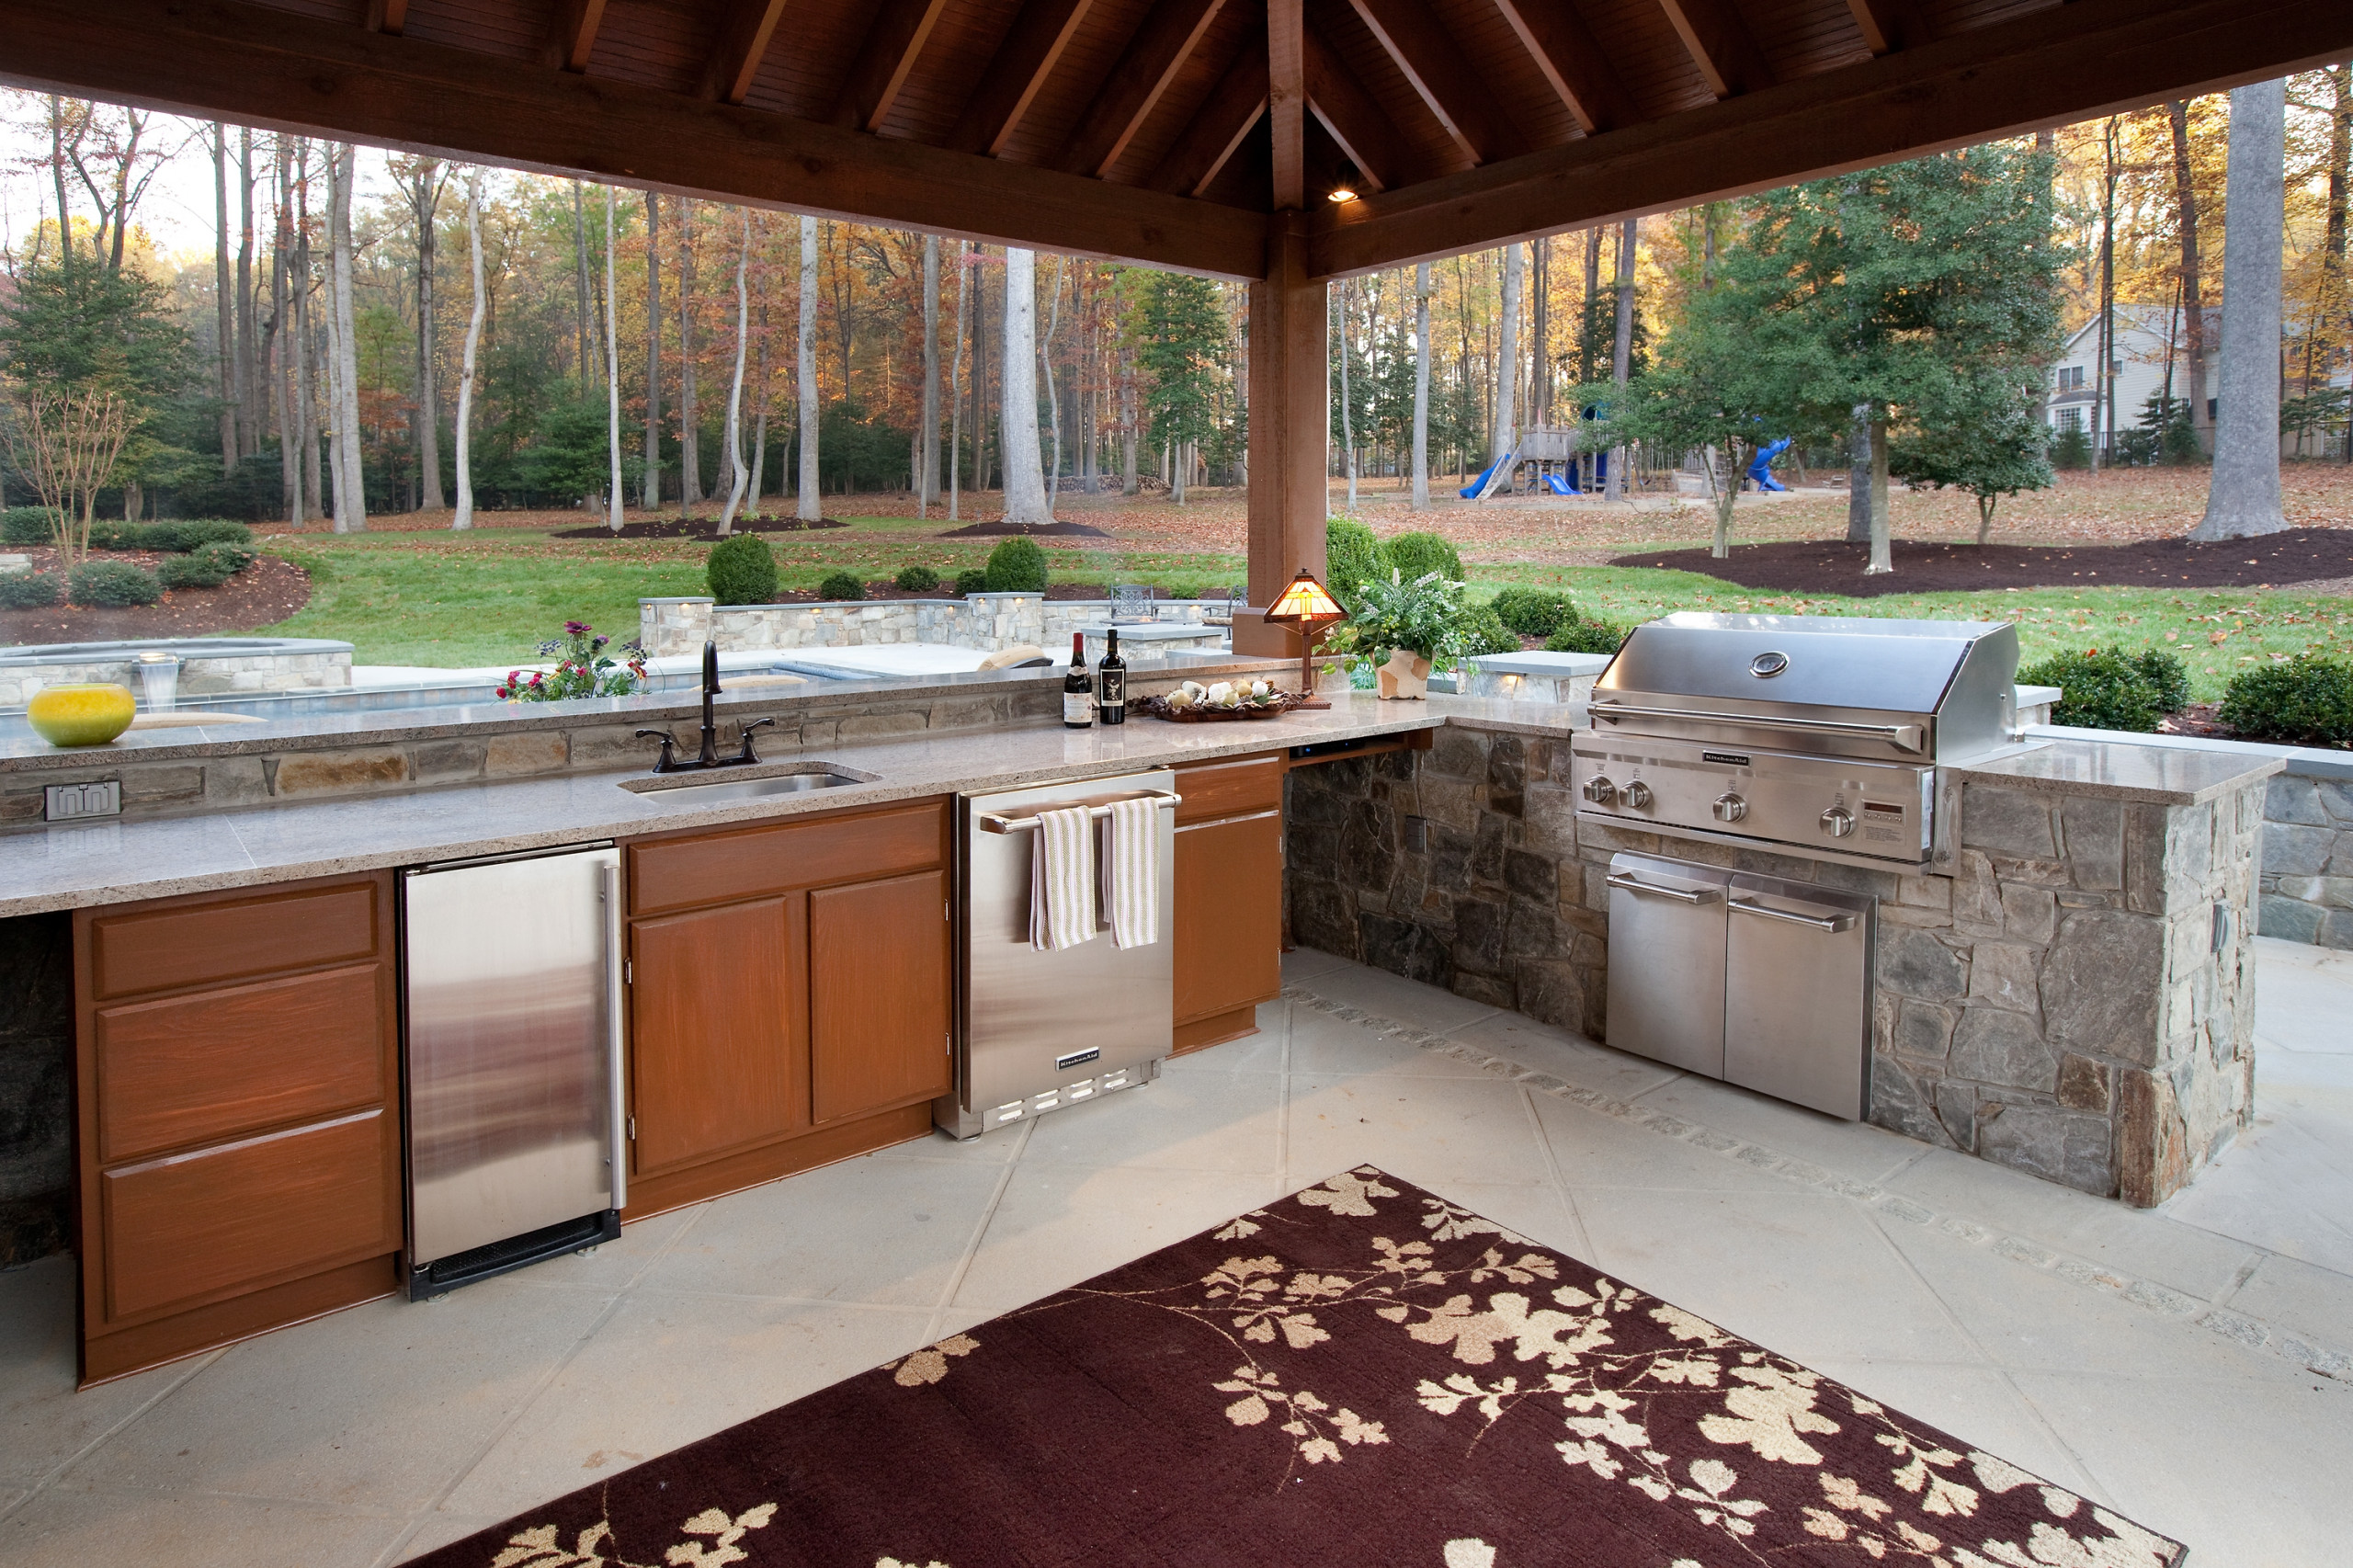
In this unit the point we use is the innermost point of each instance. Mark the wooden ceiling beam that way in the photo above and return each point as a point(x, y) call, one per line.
point(745, 28)
point(387, 16)
point(572, 33)
point(893, 42)
point(280, 71)
point(1218, 128)
point(1287, 102)
point(1719, 44)
point(1133, 87)
point(2051, 67)
point(1433, 64)
point(1032, 47)
point(1573, 62)
point(1890, 25)
point(1348, 111)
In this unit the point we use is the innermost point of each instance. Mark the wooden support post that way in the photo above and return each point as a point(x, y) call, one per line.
point(1290, 427)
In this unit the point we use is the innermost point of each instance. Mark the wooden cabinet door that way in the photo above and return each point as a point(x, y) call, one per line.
point(719, 1040)
point(1229, 916)
point(880, 994)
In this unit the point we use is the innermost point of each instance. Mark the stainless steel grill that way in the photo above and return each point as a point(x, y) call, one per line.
point(1816, 733)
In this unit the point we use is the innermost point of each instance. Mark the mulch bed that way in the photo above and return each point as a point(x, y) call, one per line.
point(1360, 1374)
point(1030, 530)
point(705, 528)
point(262, 594)
point(1834, 566)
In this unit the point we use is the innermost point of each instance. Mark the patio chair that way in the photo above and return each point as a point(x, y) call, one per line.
point(1131, 602)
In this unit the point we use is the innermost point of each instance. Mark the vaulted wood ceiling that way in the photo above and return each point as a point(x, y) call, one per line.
point(1168, 131)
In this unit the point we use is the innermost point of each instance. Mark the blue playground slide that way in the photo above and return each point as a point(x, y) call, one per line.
point(1477, 489)
point(1760, 472)
point(1558, 485)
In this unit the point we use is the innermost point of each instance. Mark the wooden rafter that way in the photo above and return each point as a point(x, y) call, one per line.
point(387, 16)
point(1573, 61)
point(1348, 111)
point(1433, 64)
point(1719, 40)
point(1133, 89)
point(1033, 46)
point(1216, 129)
point(744, 29)
point(1891, 25)
point(282, 71)
point(2064, 63)
point(572, 33)
point(900, 30)
point(1286, 101)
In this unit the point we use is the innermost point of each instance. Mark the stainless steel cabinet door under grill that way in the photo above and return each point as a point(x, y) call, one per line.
point(1667, 963)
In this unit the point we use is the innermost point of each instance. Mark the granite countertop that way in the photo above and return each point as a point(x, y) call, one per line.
point(71, 865)
point(2118, 770)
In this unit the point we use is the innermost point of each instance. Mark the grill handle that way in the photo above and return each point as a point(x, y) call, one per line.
point(1904, 738)
point(1632, 883)
point(1843, 921)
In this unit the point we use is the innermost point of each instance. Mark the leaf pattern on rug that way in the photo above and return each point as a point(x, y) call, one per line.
point(929, 1364)
point(539, 1548)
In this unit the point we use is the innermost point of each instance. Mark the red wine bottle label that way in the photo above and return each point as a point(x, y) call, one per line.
point(1078, 707)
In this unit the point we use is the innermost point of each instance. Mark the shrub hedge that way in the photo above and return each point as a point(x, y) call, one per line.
point(1350, 555)
point(36, 590)
point(1484, 632)
point(2306, 702)
point(2104, 689)
point(208, 567)
point(30, 525)
point(971, 580)
point(1017, 567)
point(1418, 555)
point(1582, 636)
point(915, 580)
point(1534, 612)
point(742, 570)
point(113, 585)
point(841, 586)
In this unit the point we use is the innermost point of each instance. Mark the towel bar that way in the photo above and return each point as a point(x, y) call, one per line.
point(1011, 822)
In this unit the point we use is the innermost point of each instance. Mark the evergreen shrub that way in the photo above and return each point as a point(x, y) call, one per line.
point(915, 580)
point(970, 581)
point(175, 537)
point(1534, 612)
point(1351, 557)
point(113, 585)
point(841, 586)
point(2100, 690)
point(36, 590)
point(1017, 567)
point(1418, 555)
point(1582, 636)
point(2167, 675)
point(26, 525)
point(1484, 632)
point(2071, 449)
point(741, 571)
point(2306, 702)
point(208, 567)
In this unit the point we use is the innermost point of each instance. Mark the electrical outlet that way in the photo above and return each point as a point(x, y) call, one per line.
point(68, 802)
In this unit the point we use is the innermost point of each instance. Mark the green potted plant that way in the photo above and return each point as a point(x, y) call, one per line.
point(1408, 624)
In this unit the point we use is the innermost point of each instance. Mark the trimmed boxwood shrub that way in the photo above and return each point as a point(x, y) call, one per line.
point(26, 525)
point(1582, 636)
point(2306, 702)
point(209, 566)
point(1483, 631)
point(1351, 555)
point(2101, 689)
point(1017, 567)
point(2167, 675)
point(741, 571)
point(178, 537)
point(1534, 612)
point(970, 581)
point(915, 580)
point(1418, 555)
point(36, 590)
point(113, 585)
point(841, 586)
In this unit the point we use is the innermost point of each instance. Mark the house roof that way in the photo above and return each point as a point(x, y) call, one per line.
point(1168, 130)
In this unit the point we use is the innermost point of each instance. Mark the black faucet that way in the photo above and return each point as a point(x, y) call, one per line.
point(668, 761)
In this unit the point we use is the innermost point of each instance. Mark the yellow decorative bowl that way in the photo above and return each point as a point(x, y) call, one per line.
point(80, 715)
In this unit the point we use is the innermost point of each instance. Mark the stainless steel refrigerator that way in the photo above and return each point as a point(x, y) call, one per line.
point(512, 1061)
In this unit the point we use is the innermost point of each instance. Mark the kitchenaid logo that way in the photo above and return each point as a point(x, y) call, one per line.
point(1730, 758)
point(1881, 808)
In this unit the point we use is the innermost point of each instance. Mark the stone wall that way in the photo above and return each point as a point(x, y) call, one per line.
point(307, 666)
point(2058, 1007)
point(2307, 887)
point(982, 621)
point(36, 1086)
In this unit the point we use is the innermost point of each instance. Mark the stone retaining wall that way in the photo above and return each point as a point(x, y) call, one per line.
point(2307, 885)
point(310, 669)
point(36, 1086)
point(2059, 1007)
point(984, 621)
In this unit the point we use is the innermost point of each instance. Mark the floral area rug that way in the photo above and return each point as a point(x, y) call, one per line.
point(1362, 1374)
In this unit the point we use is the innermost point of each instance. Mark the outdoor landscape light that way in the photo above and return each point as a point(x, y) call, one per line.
point(1307, 609)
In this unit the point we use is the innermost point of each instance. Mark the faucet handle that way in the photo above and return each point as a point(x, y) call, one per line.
point(668, 761)
point(749, 754)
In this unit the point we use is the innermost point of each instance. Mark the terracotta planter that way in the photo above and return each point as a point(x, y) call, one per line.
point(1404, 679)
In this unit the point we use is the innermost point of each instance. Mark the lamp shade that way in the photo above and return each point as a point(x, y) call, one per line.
point(1305, 603)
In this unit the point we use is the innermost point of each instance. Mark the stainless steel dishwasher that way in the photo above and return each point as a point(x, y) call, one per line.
point(1036, 1031)
point(511, 1020)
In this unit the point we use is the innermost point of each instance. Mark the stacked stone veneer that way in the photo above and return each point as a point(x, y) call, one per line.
point(2059, 1006)
point(315, 666)
point(2307, 887)
point(36, 1085)
point(985, 621)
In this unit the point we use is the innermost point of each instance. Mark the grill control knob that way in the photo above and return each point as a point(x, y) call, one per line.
point(1637, 796)
point(1730, 807)
point(1600, 790)
point(1838, 821)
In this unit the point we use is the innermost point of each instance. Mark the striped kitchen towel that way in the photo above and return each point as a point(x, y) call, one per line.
point(1131, 871)
point(1062, 880)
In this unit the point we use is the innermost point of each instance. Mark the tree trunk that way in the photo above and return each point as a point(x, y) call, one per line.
point(1130, 480)
point(580, 308)
point(425, 205)
point(1503, 438)
point(1053, 396)
point(1347, 401)
point(982, 467)
point(612, 380)
point(808, 506)
point(281, 383)
point(1882, 548)
point(1858, 476)
point(1540, 380)
point(2193, 296)
point(739, 477)
point(305, 354)
point(2340, 177)
point(691, 489)
point(225, 359)
point(249, 398)
point(927, 456)
point(2243, 498)
point(464, 517)
point(1422, 387)
point(351, 474)
point(1621, 350)
point(956, 396)
point(2103, 374)
point(1024, 483)
point(649, 495)
point(760, 422)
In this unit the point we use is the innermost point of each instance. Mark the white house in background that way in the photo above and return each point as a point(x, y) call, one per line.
point(2147, 337)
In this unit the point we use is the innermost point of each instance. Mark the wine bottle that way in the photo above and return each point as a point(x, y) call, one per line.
point(1112, 675)
point(1078, 692)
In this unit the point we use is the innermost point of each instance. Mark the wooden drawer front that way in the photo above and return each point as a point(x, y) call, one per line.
point(231, 939)
point(1228, 789)
point(679, 873)
point(878, 994)
point(215, 1063)
point(1229, 916)
point(227, 1219)
point(719, 1031)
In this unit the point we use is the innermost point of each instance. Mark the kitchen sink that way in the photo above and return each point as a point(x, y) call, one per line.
point(694, 791)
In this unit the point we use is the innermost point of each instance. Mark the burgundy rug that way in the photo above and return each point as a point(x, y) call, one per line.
point(1362, 1374)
